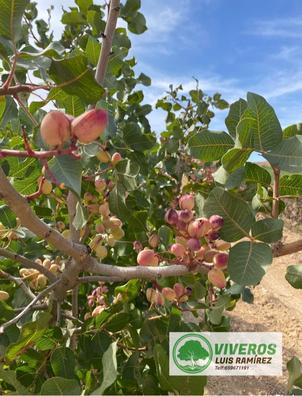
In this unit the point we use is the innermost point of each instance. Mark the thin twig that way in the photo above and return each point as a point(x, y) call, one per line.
point(19, 282)
point(38, 307)
point(27, 263)
point(107, 41)
point(10, 77)
point(29, 306)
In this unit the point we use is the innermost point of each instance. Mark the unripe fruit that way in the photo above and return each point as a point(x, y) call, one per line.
point(47, 263)
point(193, 244)
point(99, 228)
point(116, 157)
point(54, 268)
point(185, 215)
point(149, 293)
point(98, 310)
point(200, 253)
point(186, 201)
point(118, 233)
point(12, 235)
point(181, 226)
point(137, 246)
point(212, 235)
point(209, 255)
point(171, 217)
point(100, 184)
point(104, 209)
point(93, 208)
point(216, 222)
point(115, 222)
point(154, 296)
point(147, 257)
point(179, 290)
point(90, 125)
point(111, 240)
point(169, 293)
point(55, 128)
point(153, 240)
point(101, 251)
point(183, 298)
point(220, 260)
point(104, 156)
point(178, 250)
point(60, 226)
point(66, 234)
point(88, 197)
point(199, 227)
point(39, 261)
point(222, 245)
point(41, 281)
point(46, 187)
point(181, 240)
point(217, 278)
point(3, 295)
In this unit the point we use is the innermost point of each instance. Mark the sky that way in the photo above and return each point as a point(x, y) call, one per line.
point(230, 46)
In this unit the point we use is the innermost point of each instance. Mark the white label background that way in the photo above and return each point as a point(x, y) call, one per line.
point(273, 369)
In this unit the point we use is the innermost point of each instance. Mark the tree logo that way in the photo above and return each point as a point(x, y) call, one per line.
point(192, 353)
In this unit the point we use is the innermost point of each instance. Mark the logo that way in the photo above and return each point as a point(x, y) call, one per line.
point(192, 353)
point(225, 353)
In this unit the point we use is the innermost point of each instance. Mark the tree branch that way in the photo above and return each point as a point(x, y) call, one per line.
point(40, 155)
point(30, 220)
point(140, 272)
point(19, 282)
point(14, 90)
point(107, 41)
point(27, 263)
point(29, 306)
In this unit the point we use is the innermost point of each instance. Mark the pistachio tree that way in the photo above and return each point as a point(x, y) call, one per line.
point(112, 235)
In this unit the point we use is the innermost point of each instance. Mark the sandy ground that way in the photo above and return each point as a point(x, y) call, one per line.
point(277, 307)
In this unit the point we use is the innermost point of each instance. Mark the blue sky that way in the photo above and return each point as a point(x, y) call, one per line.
point(231, 46)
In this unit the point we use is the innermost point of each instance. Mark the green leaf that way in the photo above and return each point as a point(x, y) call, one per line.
point(294, 367)
point(84, 5)
point(11, 12)
point(75, 78)
point(144, 79)
point(165, 234)
point(291, 185)
point(294, 276)
point(259, 127)
point(67, 170)
point(130, 8)
point(118, 321)
point(60, 386)
point(127, 172)
point(210, 146)
point(10, 377)
point(109, 369)
point(236, 110)
point(93, 50)
point(137, 23)
point(181, 385)
point(129, 290)
point(235, 158)
point(248, 261)
point(63, 362)
point(238, 217)
point(257, 174)
point(268, 230)
point(80, 218)
point(117, 202)
point(287, 155)
point(73, 18)
point(72, 104)
point(7, 217)
point(292, 130)
point(30, 333)
point(135, 139)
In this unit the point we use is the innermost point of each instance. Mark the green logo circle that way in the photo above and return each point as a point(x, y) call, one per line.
point(192, 353)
